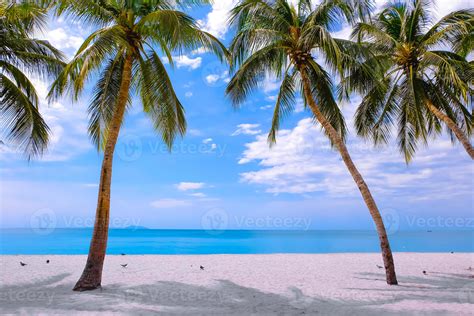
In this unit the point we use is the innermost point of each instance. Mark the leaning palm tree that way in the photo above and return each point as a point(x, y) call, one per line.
point(425, 79)
point(123, 53)
point(22, 56)
point(275, 37)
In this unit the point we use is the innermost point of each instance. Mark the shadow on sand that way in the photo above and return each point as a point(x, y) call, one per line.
point(224, 297)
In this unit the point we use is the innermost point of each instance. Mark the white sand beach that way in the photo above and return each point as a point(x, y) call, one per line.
point(283, 284)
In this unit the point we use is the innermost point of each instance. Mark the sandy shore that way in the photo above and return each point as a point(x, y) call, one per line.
point(284, 284)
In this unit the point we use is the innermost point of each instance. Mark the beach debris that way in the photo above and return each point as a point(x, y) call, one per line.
point(452, 251)
point(122, 254)
point(124, 265)
point(47, 261)
point(469, 269)
point(424, 272)
point(22, 264)
point(201, 267)
point(380, 267)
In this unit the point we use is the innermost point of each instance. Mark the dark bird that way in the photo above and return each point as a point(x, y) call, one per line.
point(22, 264)
point(424, 272)
point(201, 267)
point(47, 261)
point(380, 267)
point(124, 265)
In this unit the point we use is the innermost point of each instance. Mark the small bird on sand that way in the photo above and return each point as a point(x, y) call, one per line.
point(47, 261)
point(380, 267)
point(22, 264)
point(201, 267)
point(124, 265)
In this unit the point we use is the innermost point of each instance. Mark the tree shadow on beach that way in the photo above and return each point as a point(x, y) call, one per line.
point(54, 295)
point(433, 287)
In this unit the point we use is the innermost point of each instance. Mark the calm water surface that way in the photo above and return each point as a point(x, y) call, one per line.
point(152, 241)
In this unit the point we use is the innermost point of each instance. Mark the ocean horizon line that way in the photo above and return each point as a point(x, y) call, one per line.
point(457, 229)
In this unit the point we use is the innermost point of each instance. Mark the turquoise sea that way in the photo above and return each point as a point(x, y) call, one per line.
point(153, 241)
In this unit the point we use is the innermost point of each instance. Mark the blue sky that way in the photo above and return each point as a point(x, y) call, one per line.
point(223, 166)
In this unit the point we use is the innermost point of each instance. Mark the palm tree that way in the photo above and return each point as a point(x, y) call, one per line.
point(22, 56)
point(425, 81)
point(275, 37)
point(122, 51)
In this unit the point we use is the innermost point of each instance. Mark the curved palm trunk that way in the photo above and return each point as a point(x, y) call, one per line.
point(92, 276)
point(363, 188)
point(453, 127)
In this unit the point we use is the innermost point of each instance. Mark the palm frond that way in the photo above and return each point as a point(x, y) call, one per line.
point(159, 99)
point(104, 100)
point(21, 120)
point(284, 103)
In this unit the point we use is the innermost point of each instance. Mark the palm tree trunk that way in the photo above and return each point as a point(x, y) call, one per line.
point(363, 188)
point(453, 127)
point(92, 276)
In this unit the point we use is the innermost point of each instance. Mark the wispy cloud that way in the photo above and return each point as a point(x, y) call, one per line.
point(247, 129)
point(187, 62)
point(186, 186)
point(303, 162)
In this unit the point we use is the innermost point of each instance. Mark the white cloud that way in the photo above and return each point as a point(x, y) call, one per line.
point(344, 33)
point(64, 40)
point(198, 195)
point(299, 106)
point(186, 186)
point(444, 7)
point(187, 62)
point(441, 7)
point(216, 20)
point(303, 162)
point(266, 107)
point(169, 203)
point(247, 129)
point(188, 94)
point(213, 78)
point(270, 83)
point(200, 51)
point(207, 141)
